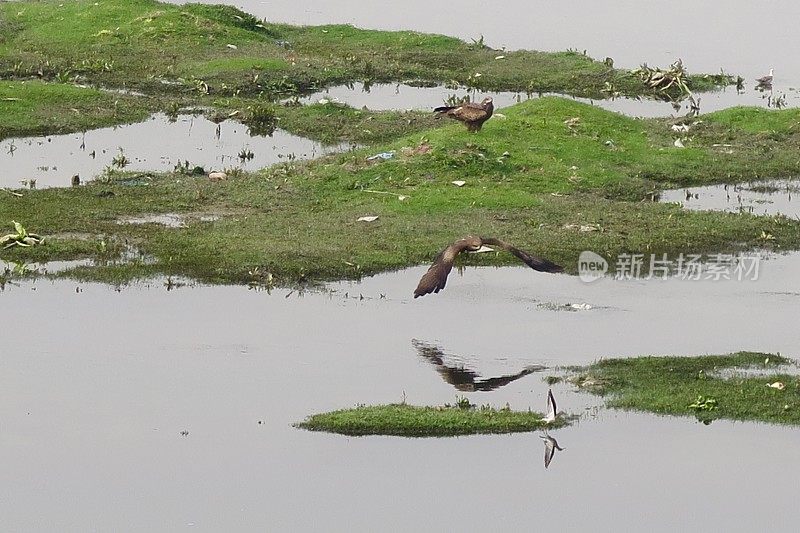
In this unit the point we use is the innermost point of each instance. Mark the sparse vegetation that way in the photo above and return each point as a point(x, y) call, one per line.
point(741, 386)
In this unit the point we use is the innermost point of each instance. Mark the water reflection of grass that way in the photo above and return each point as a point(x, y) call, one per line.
point(735, 386)
point(415, 421)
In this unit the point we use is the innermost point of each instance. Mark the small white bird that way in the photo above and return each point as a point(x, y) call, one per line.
point(551, 408)
point(766, 80)
point(550, 447)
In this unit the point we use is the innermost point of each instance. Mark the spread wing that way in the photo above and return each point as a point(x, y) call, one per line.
point(459, 377)
point(550, 447)
point(536, 263)
point(549, 451)
point(435, 278)
point(551, 405)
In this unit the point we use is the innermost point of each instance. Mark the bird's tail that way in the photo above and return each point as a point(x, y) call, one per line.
point(443, 109)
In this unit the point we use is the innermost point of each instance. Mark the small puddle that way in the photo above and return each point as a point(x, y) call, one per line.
point(773, 197)
point(156, 144)
point(763, 371)
point(171, 220)
point(41, 269)
point(401, 96)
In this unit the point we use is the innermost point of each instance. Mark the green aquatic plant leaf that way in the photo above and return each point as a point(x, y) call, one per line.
point(21, 233)
point(20, 238)
point(704, 404)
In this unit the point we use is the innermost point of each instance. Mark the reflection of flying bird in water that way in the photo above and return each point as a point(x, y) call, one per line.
point(462, 378)
point(550, 447)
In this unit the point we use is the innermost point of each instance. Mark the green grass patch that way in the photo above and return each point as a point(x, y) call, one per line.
point(332, 123)
point(298, 221)
point(35, 107)
point(706, 387)
point(220, 49)
point(182, 55)
point(415, 421)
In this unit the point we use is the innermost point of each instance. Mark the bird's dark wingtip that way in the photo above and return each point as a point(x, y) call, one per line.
point(543, 265)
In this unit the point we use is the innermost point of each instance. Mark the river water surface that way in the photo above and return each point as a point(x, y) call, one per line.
point(99, 386)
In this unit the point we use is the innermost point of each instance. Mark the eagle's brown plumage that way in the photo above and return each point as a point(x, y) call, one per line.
point(435, 278)
point(472, 114)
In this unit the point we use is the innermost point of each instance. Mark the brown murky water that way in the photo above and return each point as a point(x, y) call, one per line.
point(98, 386)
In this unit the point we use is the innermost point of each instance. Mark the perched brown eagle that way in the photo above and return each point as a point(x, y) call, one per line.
point(435, 278)
point(472, 114)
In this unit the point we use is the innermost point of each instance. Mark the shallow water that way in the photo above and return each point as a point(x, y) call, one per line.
point(98, 385)
point(97, 392)
point(399, 96)
point(746, 38)
point(155, 145)
point(782, 197)
point(158, 144)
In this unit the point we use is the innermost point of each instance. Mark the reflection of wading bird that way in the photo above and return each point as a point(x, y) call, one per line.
point(766, 80)
point(550, 444)
point(435, 278)
point(464, 379)
point(472, 114)
point(550, 447)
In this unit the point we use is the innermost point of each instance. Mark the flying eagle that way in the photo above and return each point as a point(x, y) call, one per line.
point(472, 114)
point(435, 278)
